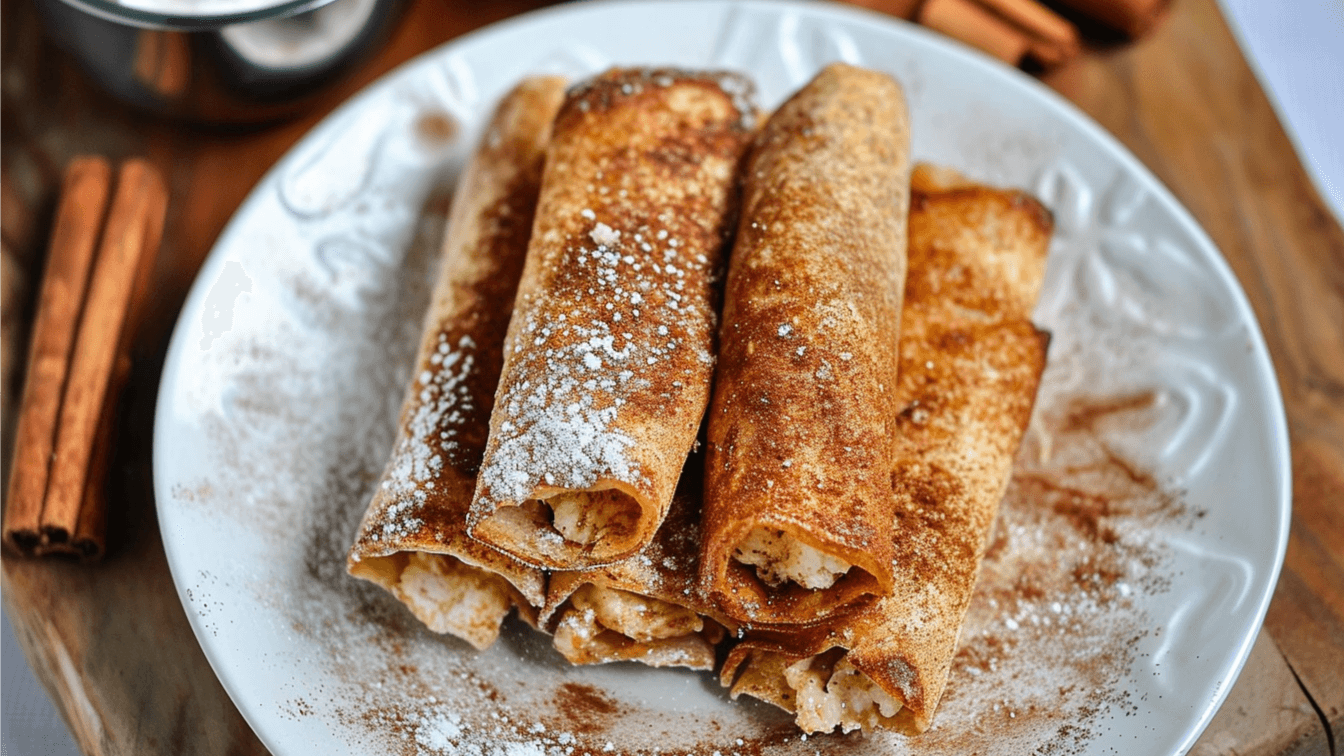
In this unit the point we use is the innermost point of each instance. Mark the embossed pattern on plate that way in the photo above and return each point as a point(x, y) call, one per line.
point(284, 379)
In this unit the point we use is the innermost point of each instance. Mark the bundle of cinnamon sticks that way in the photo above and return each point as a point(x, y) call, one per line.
point(1024, 32)
point(98, 270)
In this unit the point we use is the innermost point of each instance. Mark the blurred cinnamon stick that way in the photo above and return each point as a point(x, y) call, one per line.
point(1013, 31)
point(899, 8)
point(970, 22)
point(1132, 17)
point(70, 256)
point(1035, 19)
point(64, 480)
point(1054, 40)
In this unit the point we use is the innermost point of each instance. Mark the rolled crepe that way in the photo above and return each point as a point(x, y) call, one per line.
point(413, 538)
point(971, 362)
point(798, 506)
point(610, 350)
point(647, 608)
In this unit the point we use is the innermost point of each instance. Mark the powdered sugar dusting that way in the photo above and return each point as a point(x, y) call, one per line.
point(604, 236)
point(569, 448)
point(561, 420)
point(444, 404)
point(614, 323)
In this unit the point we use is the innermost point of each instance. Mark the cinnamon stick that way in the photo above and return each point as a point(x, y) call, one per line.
point(74, 239)
point(1035, 19)
point(1133, 17)
point(899, 8)
point(969, 22)
point(1050, 55)
point(90, 532)
point(1054, 41)
point(74, 513)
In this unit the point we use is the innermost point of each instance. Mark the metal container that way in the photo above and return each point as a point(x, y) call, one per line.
point(219, 61)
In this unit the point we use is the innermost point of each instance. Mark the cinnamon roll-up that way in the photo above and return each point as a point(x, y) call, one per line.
point(971, 361)
point(413, 539)
point(611, 347)
point(798, 503)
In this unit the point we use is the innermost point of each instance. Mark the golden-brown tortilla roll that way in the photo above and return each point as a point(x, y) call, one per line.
point(648, 607)
point(798, 505)
point(413, 539)
point(611, 346)
point(971, 361)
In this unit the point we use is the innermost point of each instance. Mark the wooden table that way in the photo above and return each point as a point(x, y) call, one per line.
point(111, 641)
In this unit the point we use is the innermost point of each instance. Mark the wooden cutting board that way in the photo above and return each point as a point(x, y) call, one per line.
point(112, 642)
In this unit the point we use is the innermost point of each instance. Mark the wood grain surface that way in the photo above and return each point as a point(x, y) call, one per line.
point(112, 642)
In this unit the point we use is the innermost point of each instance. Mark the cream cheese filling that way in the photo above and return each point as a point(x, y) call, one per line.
point(779, 559)
point(639, 618)
point(605, 624)
point(452, 597)
point(836, 695)
point(585, 517)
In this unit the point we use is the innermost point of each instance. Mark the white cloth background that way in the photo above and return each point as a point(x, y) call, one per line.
point(1296, 48)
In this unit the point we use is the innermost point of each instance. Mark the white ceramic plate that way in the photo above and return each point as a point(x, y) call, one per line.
point(1131, 565)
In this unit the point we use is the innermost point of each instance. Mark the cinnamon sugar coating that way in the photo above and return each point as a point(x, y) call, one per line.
point(611, 347)
point(805, 395)
point(420, 504)
point(971, 362)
